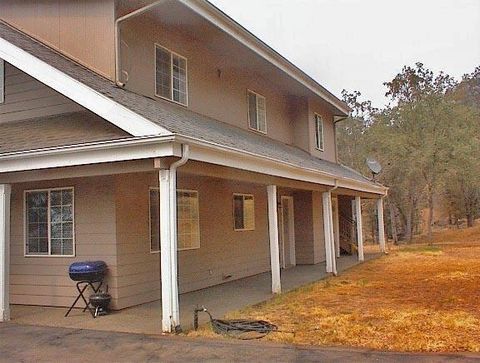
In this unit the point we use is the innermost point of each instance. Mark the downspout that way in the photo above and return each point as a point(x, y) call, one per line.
point(117, 36)
point(173, 233)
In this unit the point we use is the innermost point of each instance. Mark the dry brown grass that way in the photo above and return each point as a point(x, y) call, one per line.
point(418, 298)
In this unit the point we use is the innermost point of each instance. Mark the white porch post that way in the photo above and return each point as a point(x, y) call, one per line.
point(326, 232)
point(381, 226)
point(331, 265)
point(358, 215)
point(5, 192)
point(332, 235)
point(273, 233)
point(166, 242)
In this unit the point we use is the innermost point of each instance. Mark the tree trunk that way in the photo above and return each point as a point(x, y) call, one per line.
point(430, 215)
point(470, 220)
point(393, 223)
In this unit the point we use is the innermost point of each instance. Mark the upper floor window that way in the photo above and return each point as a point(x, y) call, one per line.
point(170, 75)
point(319, 139)
point(49, 219)
point(257, 114)
point(2, 81)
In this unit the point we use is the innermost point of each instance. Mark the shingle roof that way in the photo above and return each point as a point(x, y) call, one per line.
point(58, 130)
point(175, 118)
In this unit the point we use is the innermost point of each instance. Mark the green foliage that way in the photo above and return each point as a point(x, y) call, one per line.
point(427, 139)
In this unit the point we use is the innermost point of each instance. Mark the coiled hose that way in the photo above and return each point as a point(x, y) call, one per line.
point(237, 328)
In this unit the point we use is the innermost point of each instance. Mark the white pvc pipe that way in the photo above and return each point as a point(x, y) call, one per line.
point(117, 36)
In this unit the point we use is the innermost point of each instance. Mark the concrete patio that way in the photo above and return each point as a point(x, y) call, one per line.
point(220, 299)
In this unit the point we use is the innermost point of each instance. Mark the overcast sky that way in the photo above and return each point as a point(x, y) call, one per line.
point(359, 44)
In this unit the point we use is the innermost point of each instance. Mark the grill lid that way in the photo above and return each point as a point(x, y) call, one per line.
point(87, 267)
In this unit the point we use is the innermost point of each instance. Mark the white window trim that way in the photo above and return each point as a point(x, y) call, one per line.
point(316, 117)
point(2, 81)
point(150, 220)
point(233, 211)
point(156, 45)
point(25, 232)
point(256, 109)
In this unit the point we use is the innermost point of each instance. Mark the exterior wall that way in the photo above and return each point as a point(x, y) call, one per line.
point(44, 280)
point(80, 29)
point(329, 153)
point(25, 98)
point(224, 254)
point(309, 237)
point(221, 97)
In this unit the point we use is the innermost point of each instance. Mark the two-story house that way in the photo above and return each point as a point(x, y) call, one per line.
point(165, 139)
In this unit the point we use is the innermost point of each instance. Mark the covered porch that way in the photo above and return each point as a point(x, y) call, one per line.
point(291, 238)
point(219, 299)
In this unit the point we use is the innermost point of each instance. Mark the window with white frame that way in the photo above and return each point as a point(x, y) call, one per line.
point(319, 141)
point(49, 217)
point(257, 112)
point(170, 75)
point(243, 212)
point(2, 81)
point(188, 220)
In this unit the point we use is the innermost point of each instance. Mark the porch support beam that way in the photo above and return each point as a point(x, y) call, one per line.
point(273, 234)
point(358, 217)
point(381, 226)
point(170, 320)
point(5, 192)
point(331, 265)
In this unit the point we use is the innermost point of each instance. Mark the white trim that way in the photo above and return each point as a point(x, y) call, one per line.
point(227, 156)
point(381, 226)
point(172, 53)
point(5, 194)
point(2, 81)
point(78, 92)
point(257, 96)
point(235, 30)
point(273, 238)
point(233, 211)
point(90, 153)
point(25, 223)
point(317, 117)
point(161, 146)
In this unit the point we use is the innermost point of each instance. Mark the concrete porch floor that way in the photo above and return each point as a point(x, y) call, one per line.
point(220, 299)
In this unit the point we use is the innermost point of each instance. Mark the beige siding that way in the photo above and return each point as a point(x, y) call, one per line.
point(81, 29)
point(44, 280)
point(223, 252)
point(223, 97)
point(25, 98)
point(309, 236)
point(329, 152)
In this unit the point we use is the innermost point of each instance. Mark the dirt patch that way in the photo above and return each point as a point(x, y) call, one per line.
point(418, 298)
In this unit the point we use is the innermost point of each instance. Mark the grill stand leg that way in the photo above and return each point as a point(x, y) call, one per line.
point(81, 295)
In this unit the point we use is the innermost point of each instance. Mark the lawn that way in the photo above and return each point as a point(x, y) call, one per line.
point(418, 298)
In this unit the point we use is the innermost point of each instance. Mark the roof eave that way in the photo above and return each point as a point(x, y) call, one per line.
point(217, 17)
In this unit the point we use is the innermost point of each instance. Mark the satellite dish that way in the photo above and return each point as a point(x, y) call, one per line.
point(374, 166)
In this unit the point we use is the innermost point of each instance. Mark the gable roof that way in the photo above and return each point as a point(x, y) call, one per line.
point(178, 120)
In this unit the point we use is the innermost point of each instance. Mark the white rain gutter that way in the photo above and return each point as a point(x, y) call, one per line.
point(117, 36)
point(173, 230)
